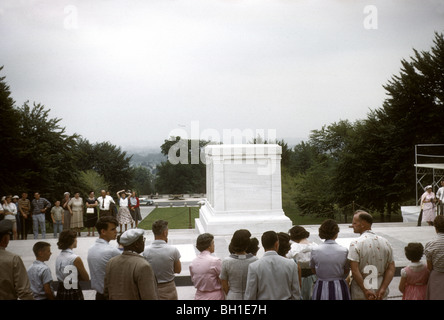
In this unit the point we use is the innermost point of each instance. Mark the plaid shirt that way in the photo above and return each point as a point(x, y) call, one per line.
point(38, 205)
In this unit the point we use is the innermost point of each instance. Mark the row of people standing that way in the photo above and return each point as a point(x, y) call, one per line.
point(299, 270)
point(70, 213)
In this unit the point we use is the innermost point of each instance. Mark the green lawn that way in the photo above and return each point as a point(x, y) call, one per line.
point(177, 217)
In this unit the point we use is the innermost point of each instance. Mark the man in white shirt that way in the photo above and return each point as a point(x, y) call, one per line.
point(371, 261)
point(101, 252)
point(440, 197)
point(104, 204)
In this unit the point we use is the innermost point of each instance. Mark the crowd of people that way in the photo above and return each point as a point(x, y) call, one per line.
point(73, 213)
point(291, 267)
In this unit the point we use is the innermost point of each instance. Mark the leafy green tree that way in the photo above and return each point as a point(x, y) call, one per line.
point(90, 180)
point(185, 176)
point(108, 161)
point(48, 151)
point(142, 181)
point(11, 162)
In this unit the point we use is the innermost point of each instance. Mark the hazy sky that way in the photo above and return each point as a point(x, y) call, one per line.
point(130, 72)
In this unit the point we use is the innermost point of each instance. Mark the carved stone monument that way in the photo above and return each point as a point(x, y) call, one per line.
point(243, 190)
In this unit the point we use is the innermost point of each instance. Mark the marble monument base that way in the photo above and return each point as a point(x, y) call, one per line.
point(226, 223)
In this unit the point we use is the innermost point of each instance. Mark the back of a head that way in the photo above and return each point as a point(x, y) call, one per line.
point(159, 226)
point(298, 233)
point(39, 246)
point(240, 240)
point(284, 244)
point(204, 241)
point(328, 229)
point(439, 224)
point(365, 216)
point(253, 247)
point(414, 251)
point(268, 240)
point(66, 239)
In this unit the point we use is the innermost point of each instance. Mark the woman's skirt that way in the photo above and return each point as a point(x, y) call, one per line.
point(307, 284)
point(331, 290)
point(124, 216)
point(69, 294)
point(91, 219)
point(435, 286)
point(77, 220)
point(428, 212)
point(135, 214)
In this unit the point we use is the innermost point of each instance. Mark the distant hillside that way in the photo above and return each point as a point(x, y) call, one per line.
point(147, 160)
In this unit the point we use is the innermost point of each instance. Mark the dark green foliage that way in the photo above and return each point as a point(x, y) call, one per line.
point(183, 177)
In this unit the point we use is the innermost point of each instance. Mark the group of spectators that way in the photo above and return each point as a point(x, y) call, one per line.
point(291, 267)
point(73, 213)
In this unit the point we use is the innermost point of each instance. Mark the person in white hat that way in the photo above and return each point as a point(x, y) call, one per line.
point(428, 205)
point(121, 271)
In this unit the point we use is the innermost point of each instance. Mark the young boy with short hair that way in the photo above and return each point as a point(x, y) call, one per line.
point(57, 216)
point(39, 274)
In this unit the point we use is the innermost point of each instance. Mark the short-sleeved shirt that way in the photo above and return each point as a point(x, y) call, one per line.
point(434, 252)
point(329, 259)
point(235, 271)
point(57, 212)
point(98, 256)
point(39, 274)
point(204, 271)
point(371, 249)
point(162, 256)
point(24, 205)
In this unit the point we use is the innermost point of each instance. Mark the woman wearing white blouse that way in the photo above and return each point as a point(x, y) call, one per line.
point(124, 215)
point(10, 212)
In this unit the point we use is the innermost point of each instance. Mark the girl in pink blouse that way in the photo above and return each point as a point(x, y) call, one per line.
point(205, 270)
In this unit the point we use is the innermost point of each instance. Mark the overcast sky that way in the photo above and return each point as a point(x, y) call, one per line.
point(131, 72)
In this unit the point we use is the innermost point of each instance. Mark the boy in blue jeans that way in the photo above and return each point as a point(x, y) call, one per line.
point(39, 274)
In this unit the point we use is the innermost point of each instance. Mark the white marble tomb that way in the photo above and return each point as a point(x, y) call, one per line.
point(243, 190)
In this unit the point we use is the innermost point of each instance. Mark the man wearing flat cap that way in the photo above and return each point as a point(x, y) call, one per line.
point(14, 281)
point(129, 276)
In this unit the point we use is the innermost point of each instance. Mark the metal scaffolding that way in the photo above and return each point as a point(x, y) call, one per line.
point(429, 168)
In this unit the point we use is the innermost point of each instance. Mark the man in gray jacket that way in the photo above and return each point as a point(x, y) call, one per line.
point(272, 277)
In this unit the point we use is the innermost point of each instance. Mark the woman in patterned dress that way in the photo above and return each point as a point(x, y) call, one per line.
point(75, 207)
point(428, 205)
point(124, 215)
